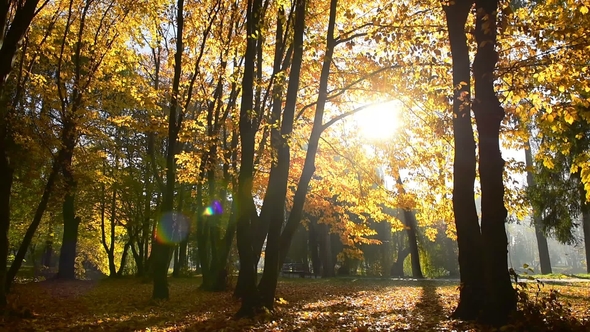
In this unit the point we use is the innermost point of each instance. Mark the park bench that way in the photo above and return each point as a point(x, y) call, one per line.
point(295, 270)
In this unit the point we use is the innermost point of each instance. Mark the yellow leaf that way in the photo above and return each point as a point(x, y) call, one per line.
point(550, 117)
point(568, 118)
point(584, 10)
point(561, 88)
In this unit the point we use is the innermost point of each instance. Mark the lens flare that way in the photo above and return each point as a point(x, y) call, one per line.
point(172, 228)
point(213, 209)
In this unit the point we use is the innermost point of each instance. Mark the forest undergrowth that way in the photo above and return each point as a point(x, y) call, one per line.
point(302, 305)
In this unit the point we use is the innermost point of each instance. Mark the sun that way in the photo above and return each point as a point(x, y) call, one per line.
point(379, 122)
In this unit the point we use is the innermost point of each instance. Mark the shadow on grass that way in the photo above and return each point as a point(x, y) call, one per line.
point(381, 305)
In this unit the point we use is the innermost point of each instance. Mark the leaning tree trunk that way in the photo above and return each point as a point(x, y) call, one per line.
point(312, 147)
point(22, 15)
point(466, 220)
point(24, 246)
point(280, 172)
point(544, 258)
point(500, 298)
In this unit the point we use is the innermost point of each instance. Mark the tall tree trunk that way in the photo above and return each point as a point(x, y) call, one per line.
point(9, 42)
point(279, 175)
point(246, 288)
point(109, 247)
point(466, 220)
point(500, 298)
point(314, 139)
point(544, 258)
point(161, 249)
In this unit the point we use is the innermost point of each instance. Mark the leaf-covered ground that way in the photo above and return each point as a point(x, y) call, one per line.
point(303, 305)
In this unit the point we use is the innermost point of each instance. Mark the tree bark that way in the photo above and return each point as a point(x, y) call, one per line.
point(397, 269)
point(542, 246)
point(586, 229)
point(6, 178)
point(161, 250)
point(500, 297)
point(411, 224)
point(246, 288)
point(9, 42)
point(24, 246)
point(67, 257)
point(312, 147)
point(124, 259)
point(316, 264)
point(325, 251)
point(466, 220)
point(279, 175)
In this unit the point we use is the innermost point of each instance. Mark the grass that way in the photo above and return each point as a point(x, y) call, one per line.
point(303, 304)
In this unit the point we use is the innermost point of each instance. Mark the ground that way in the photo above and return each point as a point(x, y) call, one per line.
point(302, 305)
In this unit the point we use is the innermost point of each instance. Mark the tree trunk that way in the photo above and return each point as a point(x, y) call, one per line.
point(312, 147)
point(110, 247)
point(246, 288)
point(325, 248)
point(6, 178)
point(162, 249)
point(466, 220)
point(316, 263)
point(47, 258)
point(397, 269)
point(411, 224)
point(410, 219)
point(67, 257)
point(220, 267)
point(500, 298)
point(9, 43)
point(544, 258)
point(123, 259)
point(586, 228)
point(22, 250)
point(23, 12)
point(277, 185)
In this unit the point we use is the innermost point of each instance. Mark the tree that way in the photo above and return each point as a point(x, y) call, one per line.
point(12, 31)
point(466, 219)
point(161, 250)
point(544, 258)
point(248, 125)
point(500, 297)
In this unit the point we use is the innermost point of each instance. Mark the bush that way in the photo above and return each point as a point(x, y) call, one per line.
point(542, 311)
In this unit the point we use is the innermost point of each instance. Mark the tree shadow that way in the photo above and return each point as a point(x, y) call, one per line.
point(428, 311)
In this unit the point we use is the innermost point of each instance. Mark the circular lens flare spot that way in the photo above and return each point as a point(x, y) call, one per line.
point(172, 228)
